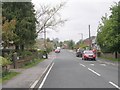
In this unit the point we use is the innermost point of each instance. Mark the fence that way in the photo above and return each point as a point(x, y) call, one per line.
point(20, 62)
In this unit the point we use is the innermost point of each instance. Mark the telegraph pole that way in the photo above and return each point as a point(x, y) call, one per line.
point(44, 38)
point(89, 39)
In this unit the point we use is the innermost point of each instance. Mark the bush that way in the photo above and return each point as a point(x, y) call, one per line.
point(4, 61)
point(49, 50)
point(4, 64)
point(25, 53)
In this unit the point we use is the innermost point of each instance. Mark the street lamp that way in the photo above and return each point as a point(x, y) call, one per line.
point(81, 36)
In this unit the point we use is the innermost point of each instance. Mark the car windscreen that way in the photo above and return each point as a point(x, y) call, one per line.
point(88, 52)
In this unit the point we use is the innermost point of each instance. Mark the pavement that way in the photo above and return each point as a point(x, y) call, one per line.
point(28, 77)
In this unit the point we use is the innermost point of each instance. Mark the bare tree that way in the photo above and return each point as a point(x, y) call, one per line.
point(49, 17)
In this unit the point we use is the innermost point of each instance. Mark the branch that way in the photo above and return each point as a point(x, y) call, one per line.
point(52, 11)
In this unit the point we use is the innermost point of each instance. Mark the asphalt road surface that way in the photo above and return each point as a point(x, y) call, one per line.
point(69, 71)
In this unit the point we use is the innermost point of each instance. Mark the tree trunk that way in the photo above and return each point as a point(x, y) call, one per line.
point(22, 47)
point(115, 55)
point(16, 47)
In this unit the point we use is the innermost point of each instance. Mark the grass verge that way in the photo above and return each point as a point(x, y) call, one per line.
point(33, 63)
point(8, 76)
point(111, 59)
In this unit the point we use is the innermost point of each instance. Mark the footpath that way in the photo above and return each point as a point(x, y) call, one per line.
point(28, 77)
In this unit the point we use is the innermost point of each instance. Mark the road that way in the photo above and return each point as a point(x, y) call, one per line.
point(69, 71)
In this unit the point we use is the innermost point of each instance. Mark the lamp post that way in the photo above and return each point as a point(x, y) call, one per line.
point(81, 36)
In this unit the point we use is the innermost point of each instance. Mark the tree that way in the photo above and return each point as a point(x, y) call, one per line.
point(49, 17)
point(61, 43)
point(8, 34)
point(108, 36)
point(70, 44)
point(25, 28)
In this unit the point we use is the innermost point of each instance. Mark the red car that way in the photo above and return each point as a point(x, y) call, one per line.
point(88, 55)
point(57, 50)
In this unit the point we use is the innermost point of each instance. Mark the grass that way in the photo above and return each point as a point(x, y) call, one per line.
point(33, 63)
point(112, 59)
point(8, 76)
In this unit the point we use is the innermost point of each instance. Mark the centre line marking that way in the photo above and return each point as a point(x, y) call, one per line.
point(46, 76)
point(114, 85)
point(83, 65)
point(92, 64)
point(103, 64)
point(94, 72)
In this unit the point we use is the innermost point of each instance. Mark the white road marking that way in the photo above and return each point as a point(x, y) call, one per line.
point(92, 64)
point(34, 84)
point(112, 63)
point(94, 72)
point(103, 64)
point(70, 51)
point(82, 65)
point(46, 76)
point(114, 85)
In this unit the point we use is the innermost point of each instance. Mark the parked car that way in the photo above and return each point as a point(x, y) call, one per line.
point(88, 55)
point(45, 54)
point(57, 50)
point(79, 53)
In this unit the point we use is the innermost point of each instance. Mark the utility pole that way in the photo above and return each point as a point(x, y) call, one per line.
point(44, 38)
point(45, 51)
point(89, 39)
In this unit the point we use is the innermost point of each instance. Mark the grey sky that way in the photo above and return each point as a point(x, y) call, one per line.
point(80, 13)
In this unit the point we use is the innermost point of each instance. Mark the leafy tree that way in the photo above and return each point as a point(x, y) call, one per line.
point(8, 34)
point(61, 43)
point(70, 44)
point(24, 14)
point(108, 36)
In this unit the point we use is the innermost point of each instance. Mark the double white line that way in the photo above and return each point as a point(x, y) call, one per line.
point(46, 76)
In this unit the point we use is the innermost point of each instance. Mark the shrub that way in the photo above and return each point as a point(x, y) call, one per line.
point(4, 64)
point(4, 61)
point(25, 53)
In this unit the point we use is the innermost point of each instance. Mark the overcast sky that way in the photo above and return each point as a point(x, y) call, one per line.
point(80, 14)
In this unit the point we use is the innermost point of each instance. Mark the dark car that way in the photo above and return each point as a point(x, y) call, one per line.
point(45, 55)
point(88, 55)
point(79, 53)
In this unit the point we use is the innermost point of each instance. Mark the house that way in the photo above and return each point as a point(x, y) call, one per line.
point(90, 42)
